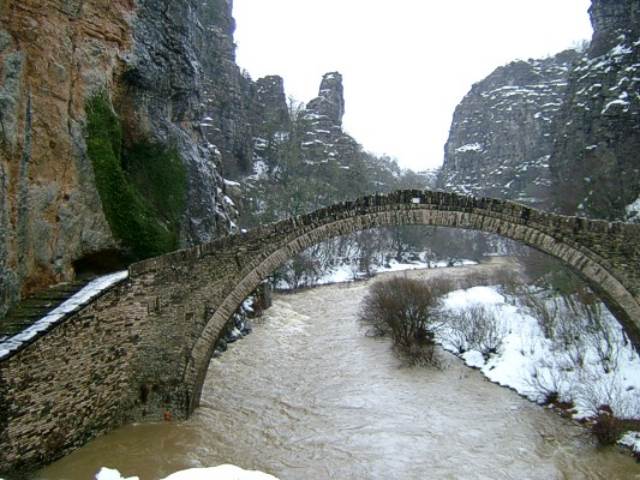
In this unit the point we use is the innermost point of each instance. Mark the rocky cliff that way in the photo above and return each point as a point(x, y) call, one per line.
point(127, 130)
point(324, 141)
point(53, 55)
point(595, 164)
point(304, 160)
point(560, 133)
point(501, 137)
point(93, 97)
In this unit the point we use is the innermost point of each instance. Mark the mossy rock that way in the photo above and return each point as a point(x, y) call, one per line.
point(142, 188)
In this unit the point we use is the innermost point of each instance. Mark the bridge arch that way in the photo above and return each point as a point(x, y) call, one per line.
point(604, 254)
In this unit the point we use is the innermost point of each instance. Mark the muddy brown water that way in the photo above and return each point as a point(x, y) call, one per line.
point(309, 396)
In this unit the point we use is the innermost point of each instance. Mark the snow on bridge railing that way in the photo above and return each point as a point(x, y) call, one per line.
point(93, 289)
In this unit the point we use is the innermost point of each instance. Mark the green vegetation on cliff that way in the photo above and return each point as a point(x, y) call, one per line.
point(142, 188)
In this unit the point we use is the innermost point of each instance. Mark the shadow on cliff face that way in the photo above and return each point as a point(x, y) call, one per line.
point(142, 188)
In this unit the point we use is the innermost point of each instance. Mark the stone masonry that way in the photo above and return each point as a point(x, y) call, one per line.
point(143, 347)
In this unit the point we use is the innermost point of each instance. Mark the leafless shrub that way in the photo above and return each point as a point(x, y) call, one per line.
point(549, 380)
point(567, 333)
point(398, 307)
point(475, 328)
point(576, 323)
point(610, 406)
point(440, 286)
point(604, 338)
point(543, 308)
point(587, 349)
point(595, 390)
point(403, 309)
point(606, 427)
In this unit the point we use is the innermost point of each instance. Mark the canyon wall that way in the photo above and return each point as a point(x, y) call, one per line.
point(501, 137)
point(595, 165)
point(160, 77)
point(559, 133)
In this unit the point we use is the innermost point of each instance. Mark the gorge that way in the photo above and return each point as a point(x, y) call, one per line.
point(130, 140)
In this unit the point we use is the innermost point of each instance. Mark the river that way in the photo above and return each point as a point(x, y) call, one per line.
point(309, 396)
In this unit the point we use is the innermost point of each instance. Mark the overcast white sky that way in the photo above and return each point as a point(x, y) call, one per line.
point(406, 63)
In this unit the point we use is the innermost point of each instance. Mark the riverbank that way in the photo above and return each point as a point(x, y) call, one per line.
point(572, 380)
point(582, 380)
point(522, 359)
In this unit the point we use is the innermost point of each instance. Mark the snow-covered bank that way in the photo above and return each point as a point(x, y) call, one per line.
point(515, 352)
point(349, 272)
point(81, 298)
point(221, 472)
point(631, 440)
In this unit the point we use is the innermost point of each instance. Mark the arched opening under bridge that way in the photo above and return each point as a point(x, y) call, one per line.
point(606, 255)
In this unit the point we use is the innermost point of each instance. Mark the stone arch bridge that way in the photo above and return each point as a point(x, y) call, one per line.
point(143, 347)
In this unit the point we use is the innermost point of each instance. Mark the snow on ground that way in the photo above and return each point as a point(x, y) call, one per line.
point(222, 472)
point(111, 474)
point(81, 298)
point(348, 272)
point(631, 440)
point(537, 367)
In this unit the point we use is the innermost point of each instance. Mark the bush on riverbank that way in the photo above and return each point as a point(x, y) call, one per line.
point(606, 427)
point(474, 328)
point(403, 309)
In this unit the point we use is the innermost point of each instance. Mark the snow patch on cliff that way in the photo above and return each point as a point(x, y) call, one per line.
point(633, 211)
point(470, 147)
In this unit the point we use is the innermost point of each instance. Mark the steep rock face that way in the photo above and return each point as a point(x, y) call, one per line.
point(312, 134)
point(293, 142)
point(595, 163)
point(170, 94)
point(229, 96)
point(611, 18)
point(304, 160)
point(329, 103)
point(167, 68)
point(273, 111)
point(562, 133)
point(324, 140)
point(336, 158)
point(53, 55)
point(501, 135)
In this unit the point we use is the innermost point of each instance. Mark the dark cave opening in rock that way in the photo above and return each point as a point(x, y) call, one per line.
point(100, 263)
